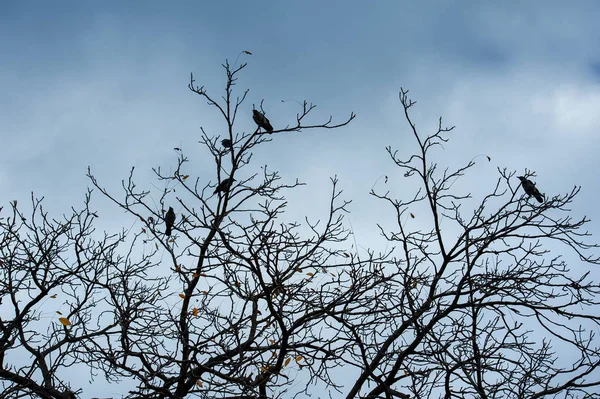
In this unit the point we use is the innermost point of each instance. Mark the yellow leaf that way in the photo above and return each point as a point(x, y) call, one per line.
point(287, 361)
point(272, 341)
point(298, 358)
point(182, 296)
point(64, 321)
point(199, 383)
point(185, 177)
point(53, 296)
point(195, 312)
point(171, 240)
point(58, 312)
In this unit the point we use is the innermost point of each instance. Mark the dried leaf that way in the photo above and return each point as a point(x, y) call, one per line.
point(59, 312)
point(171, 240)
point(156, 245)
point(143, 230)
point(53, 296)
point(182, 296)
point(346, 254)
point(185, 177)
point(333, 274)
point(64, 321)
point(195, 312)
point(247, 52)
point(177, 269)
point(237, 284)
point(263, 368)
point(205, 292)
point(195, 275)
point(412, 216)
point(204, 274)
point(142, 219)
point(298, 358)
point(199, 383)
point(272, 341)
point(309, 274)
point(287, 361)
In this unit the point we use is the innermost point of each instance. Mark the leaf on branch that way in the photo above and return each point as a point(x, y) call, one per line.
point(263, 368)
point(205, 292)
point(298, 358)
point(247, 52)
point(185, 177)
point(143, 230)
point(156, 245)
point(346, 254)
point(195, 275)
point(287, 361)
point(195, 312)
point(182, 296)
point(237, 284)
point(59, 312)
point(142, 219)
point(199, 383)
point(177, 269)
point(412, 216)
point(204, 274)
point(171, 240)
point(274, 355)
point(405, 372)
point(64, 321)
point(53, 296)
point(272, 341)
point(309, 274)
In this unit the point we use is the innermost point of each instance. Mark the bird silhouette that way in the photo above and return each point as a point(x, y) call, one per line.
point(531, 189)
point(225, 185)
point(227, 143)
point(262, 121)
point(169, 221)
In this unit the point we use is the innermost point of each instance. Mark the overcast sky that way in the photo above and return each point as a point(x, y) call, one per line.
point(104, 84)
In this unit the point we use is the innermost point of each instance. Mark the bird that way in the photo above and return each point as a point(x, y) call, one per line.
point(224, 185)
point(227, 143)
point(262, 121)
point(169, 221)
point(531, 189)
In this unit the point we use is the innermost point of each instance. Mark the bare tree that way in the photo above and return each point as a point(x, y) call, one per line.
point(238, 301)
point(481, 308)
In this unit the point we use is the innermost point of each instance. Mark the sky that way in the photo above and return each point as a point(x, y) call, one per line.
point(104, 85)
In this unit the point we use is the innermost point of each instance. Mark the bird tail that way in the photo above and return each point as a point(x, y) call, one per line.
point(539, 198)
point(168, 232)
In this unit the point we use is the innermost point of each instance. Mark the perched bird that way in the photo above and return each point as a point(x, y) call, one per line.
point(531, 189)
point(262, 121)
point(227, 143)
point(224, 185)
point(169, 220)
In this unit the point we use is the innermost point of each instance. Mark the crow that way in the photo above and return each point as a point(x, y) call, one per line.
point(262, 121)
point(224, 185)
point(169, 220)
point(531, 189)
point(227, 143)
